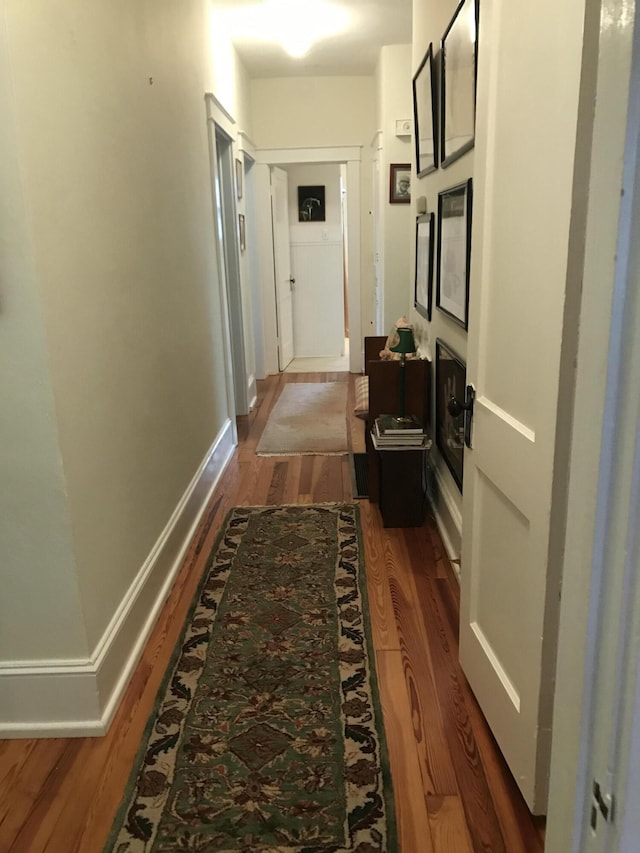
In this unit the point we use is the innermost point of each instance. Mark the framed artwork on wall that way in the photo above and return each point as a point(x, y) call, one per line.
point(242, 232)
point(425, 116)
point(424, 265)
point(311, 204)
point(451, 380)
point(399, 183)
point(239, 178)
point(458, 82)
point(454, 252)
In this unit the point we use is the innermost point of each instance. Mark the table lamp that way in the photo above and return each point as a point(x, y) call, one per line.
point(405, 345)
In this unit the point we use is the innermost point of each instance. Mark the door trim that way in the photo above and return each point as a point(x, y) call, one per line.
point(351, 156)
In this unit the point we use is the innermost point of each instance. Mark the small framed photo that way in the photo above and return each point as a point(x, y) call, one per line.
point(454, 252)
point(242, 232)
point(399, 183)
point(425, 115)
point(424, 265)
point(451, 381)
point(239, 179)
point(458, 82)
point(311, 205)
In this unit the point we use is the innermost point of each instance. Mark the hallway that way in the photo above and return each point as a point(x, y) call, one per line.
point(451, 784)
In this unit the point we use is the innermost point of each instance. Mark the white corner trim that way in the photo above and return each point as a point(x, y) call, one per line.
point(78, 698)
point(445, 504)
point(246, 144)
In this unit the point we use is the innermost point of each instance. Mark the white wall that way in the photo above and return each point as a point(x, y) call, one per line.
point(111, 294)
point(396, 220)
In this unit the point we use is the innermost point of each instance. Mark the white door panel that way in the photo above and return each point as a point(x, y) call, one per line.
point(519, 264)
point(282, 263)
point(318, 299)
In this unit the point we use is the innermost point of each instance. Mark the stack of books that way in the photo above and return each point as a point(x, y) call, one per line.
point(390, 432)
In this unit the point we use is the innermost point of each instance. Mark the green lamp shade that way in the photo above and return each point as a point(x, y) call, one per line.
point(406, 344)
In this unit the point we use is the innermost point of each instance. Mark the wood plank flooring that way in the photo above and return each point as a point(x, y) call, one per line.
point(453, 791)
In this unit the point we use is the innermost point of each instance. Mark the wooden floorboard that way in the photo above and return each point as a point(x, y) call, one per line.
point(453, 790)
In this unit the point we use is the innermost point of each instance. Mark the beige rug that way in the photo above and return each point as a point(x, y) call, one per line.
point(308, 417)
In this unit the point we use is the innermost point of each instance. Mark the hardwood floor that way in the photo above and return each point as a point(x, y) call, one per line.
point(453, 791)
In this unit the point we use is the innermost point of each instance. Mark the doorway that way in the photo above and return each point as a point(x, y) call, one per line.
point(346, 162)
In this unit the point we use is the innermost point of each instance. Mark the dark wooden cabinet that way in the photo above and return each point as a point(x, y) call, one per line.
point(402, 492)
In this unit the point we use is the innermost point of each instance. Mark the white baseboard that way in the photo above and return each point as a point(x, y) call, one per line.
point(78, 698)
point(449, 521)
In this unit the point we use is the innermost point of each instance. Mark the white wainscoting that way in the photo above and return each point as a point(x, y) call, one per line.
point(78, 698)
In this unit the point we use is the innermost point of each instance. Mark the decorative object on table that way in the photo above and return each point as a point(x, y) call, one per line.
point(425, 116)
point(454, 252)
point(388, 433)
point(267, 732)
point(239, 178)
point(451, 373)
point(458, 82)
point(307, 418)
point(423, 291)
point(405, 345)
point(399, 183)
point(311, 204)
point(242, 232)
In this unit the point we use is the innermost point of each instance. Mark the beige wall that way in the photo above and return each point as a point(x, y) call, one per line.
point(109, 123)
point(313, 112)
point(396, 220)
point(430, 19)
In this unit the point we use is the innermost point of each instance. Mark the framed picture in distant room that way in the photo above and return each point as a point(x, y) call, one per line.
point(311, 205)
point(399, 183)
point(425, 116)
point(454, 252)
point(451, 379)
point(458, 83)
point(424, 265)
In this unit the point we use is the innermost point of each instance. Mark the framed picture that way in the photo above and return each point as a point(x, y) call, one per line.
point(424, 265)
point(458, 82)
point(239, 178)
point(424, 116)
point(399, 183)
point(451, 381)
point(242, 232)
point(454, 252)
point(311, 204)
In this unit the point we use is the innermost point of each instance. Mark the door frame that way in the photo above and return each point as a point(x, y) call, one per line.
point(351, 157)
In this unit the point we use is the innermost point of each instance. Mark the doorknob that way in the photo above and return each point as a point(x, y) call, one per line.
point(456, 408)
point(292, 281)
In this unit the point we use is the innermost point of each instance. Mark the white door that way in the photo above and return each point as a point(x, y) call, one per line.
point(513, 512)
point(282, 262)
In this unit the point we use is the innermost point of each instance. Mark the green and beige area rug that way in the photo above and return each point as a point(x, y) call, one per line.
point(307, 418)
point(267, 733)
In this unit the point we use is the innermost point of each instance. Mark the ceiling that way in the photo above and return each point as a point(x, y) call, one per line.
point(372, 24)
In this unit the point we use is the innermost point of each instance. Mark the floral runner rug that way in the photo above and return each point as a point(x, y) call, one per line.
point(267, 732)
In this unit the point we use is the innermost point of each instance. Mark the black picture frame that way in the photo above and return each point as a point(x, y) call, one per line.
point(458, 73)
point(423, 285)
point(451, 381)
point(399, 183)
point(455, 206)
point(425, 115)
point(311, 204)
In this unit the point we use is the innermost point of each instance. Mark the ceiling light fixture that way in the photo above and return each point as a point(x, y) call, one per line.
point(294, 24)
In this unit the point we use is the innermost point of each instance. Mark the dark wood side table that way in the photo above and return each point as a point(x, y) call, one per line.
point(402, 486)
